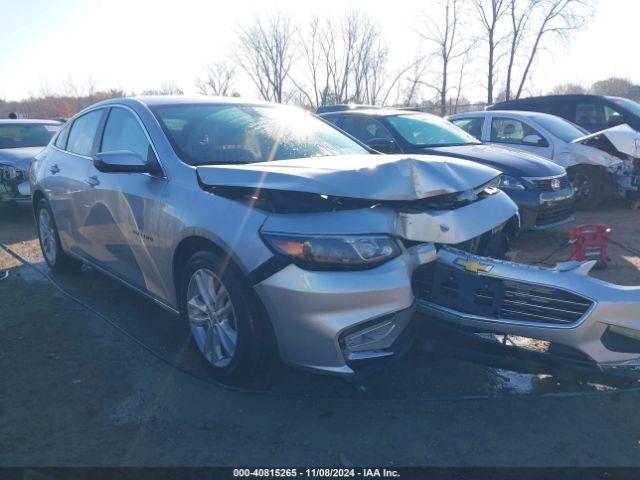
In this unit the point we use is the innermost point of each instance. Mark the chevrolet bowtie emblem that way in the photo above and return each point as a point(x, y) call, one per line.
point(473, 266)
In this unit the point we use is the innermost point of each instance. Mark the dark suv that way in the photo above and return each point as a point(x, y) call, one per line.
point(591, 112)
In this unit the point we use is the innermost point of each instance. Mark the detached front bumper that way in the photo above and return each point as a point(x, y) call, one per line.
point(585, 320)
point(339, 322)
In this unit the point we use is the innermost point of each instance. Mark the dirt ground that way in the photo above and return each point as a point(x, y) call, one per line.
point(115, 381)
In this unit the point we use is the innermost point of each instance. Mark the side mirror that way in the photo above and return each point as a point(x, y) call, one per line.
point(121, 161)
point(535, 141)
point(383, 145)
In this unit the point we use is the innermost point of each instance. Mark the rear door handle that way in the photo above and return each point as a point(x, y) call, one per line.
point(54, 169)
point(93, 181)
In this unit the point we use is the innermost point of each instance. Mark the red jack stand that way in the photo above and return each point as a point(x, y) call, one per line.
point(589, 242)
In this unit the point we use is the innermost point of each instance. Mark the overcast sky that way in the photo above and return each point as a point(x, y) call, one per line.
point(140, 44)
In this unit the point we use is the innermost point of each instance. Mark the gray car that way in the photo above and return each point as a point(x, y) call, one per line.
point(20, 141)
point(268, 230)
point(259, 224)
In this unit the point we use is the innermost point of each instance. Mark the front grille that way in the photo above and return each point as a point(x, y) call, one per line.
point(544, 184)
point(497, 299)
point(553, 215)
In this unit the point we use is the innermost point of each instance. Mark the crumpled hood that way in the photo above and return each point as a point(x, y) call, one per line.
point(507, 160)
point(372, 177)
point(576, 153)
point(19, 157)
point(624, 139)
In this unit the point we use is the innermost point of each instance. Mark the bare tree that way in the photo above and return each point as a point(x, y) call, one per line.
point(164, 89)
point(266, 53)
point(519, 15)
point(218, 79)
point(490, 12)
point(567, 88)
point(413, 81)
point(554, 18)
point(619, 87)
point(443, 34)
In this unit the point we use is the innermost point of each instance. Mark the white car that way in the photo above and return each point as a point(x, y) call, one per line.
point(600, 165)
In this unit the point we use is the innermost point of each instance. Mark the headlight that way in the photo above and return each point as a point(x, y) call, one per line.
point(507, 181)
point(328, 252)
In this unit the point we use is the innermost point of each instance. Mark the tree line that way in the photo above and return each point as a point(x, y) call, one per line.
point(461, 45)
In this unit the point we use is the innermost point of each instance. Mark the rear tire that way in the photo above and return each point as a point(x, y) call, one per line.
point(226, 322)
point(49, 239)
point(589, 184)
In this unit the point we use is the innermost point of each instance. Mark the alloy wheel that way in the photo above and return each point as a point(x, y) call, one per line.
point(47, 232)
point(212, 317)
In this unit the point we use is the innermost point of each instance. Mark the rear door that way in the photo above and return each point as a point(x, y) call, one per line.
point(67, 184)
point(128, 209)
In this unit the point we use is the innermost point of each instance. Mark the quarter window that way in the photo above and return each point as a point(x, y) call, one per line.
point(509, 130)
point(83, 133)
point(473, 126)
point(123, 132)
point(61, 139)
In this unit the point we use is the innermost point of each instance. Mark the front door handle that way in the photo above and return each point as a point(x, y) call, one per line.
point(93, 181)
point(54, 169)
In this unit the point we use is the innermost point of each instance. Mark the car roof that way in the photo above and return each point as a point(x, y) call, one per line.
point(158, 100)
point(375, 112)
point(539, 98)
point(30, 121)
point(516, 113)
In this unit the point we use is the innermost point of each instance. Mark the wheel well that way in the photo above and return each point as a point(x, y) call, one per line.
point(190, 245)
point(186, 248)
point(35, 199)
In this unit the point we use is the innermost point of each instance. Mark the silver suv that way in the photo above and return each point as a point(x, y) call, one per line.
point(259, 224)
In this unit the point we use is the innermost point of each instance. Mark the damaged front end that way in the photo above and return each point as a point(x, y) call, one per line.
point(578, 320)
point(621, 148)
point(346, 238)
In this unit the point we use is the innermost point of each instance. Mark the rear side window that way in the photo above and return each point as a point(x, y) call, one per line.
point(123, 132)
point(592, 113)
point(472, 126)
point(83, 133)
point(509, 130)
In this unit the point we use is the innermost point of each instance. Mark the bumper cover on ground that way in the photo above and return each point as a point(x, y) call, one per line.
point(563, 305)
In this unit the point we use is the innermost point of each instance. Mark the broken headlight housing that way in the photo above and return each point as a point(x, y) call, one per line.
point(334, 252)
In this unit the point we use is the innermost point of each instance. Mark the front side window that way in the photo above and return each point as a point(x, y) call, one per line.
point(22, 135)
point(123, 132)
point(509, 130)
point(204, 134)
point(83, 133)
point(365, 129)
point(423, 130)
point(473, 126)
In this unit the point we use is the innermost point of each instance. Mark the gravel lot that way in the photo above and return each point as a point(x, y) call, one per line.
point(76, 390)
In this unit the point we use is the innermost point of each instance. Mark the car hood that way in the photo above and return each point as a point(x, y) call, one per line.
point(507, 160)
point(623, 138)
point(19, 157)
point(372, 177)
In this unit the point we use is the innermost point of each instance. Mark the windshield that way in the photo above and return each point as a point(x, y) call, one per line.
point(429, 131)
point(22, 135)
point(204, 134)
point(629, 105)
point(561, 128)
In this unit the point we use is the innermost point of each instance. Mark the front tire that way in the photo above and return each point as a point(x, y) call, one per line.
point(590, 186)
point(224, 318)
point(50, 240)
